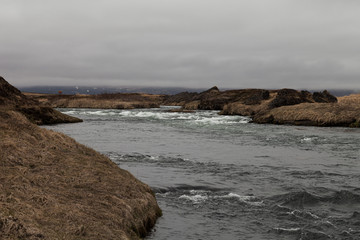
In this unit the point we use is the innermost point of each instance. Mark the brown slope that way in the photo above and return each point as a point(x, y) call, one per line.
point(11, 96)
point(54, 188)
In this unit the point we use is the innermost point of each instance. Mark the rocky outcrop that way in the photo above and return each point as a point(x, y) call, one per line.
point(285, 97)
point(191, 101)
point(12, 98)
point(180, 99)
point(55, 188)
point(284, 106)
point(45, 115)
point(214, 99)
point(313, 114)
point(324, 97)
point(256, 96)
point(303, 108)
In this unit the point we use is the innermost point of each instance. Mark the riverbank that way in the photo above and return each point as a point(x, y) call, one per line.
point(103, 101)
point(55, 188)
point(282, 106)
point(344, 113)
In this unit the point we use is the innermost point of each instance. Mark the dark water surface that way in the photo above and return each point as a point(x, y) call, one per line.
point(220, 177)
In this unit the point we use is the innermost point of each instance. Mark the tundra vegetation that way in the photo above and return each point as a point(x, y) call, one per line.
point(52, 187)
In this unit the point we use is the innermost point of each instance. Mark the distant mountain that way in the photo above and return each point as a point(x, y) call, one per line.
point(99, 90)
point(151, 90)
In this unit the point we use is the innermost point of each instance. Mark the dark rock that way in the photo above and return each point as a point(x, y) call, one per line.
point(214, 89)
point(306, 94)
point(45, 115)
point(180, 98)
point(216, 100)
point(213, 104)
point(10, 95)
point(12, 98)
point(324, 97)
point(256, 96)
point(286, 97)
point(7, 90)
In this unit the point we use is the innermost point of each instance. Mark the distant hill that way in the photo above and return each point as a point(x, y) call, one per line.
point(150, 90)
point(99, 90)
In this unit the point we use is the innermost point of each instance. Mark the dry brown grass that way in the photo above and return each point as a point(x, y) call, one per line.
point(239, 108)
point(104, 101)
point(345, 113)
point(191, 105)
point(353, 99)
point(54, 188)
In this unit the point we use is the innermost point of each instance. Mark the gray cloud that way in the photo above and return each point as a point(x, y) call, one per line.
point(233, 43)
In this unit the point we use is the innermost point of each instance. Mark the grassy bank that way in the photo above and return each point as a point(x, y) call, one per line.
point(345, 113)
point(103, 101)
point(52, 187)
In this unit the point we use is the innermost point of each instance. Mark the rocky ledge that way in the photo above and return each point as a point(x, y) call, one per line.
point(55, 188)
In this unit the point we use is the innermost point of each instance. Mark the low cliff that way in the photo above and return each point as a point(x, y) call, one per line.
point(52, 187)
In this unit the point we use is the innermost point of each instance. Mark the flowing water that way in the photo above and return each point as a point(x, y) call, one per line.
point(221, 177)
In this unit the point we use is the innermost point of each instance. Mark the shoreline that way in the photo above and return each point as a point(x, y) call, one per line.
point(283, 106)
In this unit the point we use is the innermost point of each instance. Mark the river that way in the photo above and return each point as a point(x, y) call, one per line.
point(221, 177)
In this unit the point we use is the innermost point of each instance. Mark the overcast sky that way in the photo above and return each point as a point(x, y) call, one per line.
point(188, 43)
